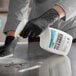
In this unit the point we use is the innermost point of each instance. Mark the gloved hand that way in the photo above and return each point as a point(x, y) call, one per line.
point(36, 26)
point(8, 47)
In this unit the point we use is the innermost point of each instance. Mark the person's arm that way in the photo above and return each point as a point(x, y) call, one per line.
point(36, 26)
point(17, 8)
point(15, 14)
point(69, 6)
point(60, 10)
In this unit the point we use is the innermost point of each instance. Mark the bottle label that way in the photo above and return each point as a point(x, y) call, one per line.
point(52, 37)
point(58, 40)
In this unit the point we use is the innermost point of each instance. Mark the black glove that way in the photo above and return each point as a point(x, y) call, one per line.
point(9, 45)
point(35, 27)
point(74, 40)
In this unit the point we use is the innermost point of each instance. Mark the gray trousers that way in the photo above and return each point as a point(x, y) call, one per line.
point(38, 7)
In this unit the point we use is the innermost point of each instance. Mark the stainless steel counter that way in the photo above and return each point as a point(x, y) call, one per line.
point(33, 61)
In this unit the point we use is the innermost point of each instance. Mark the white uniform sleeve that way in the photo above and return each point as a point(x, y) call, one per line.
point(17, 9)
